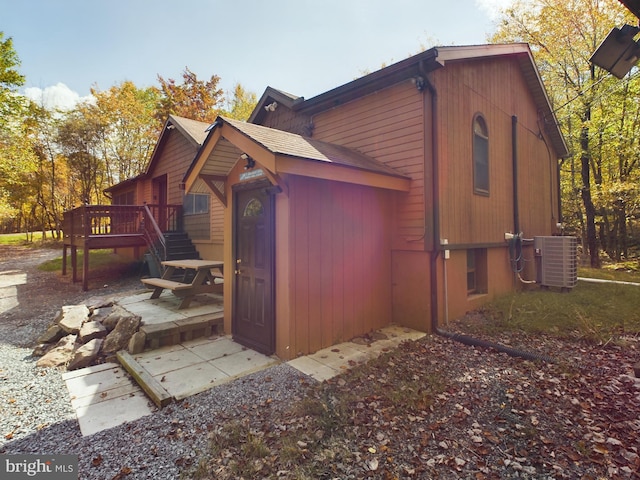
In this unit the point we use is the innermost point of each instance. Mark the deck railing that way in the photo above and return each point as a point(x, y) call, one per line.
point(116, 220)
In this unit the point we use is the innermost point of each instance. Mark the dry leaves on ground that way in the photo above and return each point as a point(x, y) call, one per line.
point(438, 409)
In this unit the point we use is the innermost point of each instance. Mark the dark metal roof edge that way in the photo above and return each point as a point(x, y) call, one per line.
point(272, 94)
point(633, 6)
point(369, 83)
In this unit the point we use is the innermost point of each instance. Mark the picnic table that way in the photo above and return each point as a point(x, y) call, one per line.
point(203, 280)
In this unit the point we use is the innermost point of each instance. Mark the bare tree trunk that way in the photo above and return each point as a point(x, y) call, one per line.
point(589, 208)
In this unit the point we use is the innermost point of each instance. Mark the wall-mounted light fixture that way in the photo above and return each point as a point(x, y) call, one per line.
point(618, 52)
point(271, 107)
point(249, 162)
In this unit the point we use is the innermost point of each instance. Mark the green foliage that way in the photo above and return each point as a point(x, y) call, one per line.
point(10, 80)
point(241, 105)
point(98, 260)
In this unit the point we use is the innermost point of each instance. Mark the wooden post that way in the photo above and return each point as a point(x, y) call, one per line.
point(74, 263)
point(85, 260)
point(64, 259)
point(85, 267)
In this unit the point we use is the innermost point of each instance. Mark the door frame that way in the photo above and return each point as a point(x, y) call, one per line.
point(236, 190)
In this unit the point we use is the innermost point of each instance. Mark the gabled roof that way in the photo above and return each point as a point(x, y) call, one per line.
point(269, 96)
point(284, 152)
point(293, 145)
point(420, 65)
point(193, 130)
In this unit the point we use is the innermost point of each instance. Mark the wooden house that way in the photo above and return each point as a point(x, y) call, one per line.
point(386, 200)
point(152, 212)
point(161, 184)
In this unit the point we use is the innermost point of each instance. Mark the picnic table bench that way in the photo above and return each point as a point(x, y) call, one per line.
point(203, 280)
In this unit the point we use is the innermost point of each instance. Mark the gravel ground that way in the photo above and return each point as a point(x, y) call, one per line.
point(429, 409)
point(35, 412)
point(158, 446)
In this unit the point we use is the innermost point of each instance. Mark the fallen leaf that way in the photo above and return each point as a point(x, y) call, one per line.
point(372, 464)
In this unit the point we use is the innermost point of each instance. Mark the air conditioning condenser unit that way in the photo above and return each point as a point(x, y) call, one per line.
point(556, 261)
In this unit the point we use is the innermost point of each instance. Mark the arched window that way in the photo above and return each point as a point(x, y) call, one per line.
point(480, 156)
point(253, 208)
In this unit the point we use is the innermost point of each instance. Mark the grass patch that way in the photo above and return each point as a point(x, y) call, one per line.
point(34, 240)
point(98, 260)
point(595, 312)
point(624, 272)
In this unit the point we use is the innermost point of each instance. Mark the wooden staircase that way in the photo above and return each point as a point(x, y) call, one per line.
point(180, 246)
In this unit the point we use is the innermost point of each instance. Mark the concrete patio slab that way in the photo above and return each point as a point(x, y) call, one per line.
point(106, 395)
point(329, 362)
point(191, 379)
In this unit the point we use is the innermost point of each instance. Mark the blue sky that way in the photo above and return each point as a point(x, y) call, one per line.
point(304, 47)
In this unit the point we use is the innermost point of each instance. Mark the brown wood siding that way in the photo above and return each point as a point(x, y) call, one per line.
point(500, 279)
point(411, 289)
point(198, 226)
point(217, 212)
point(388, 126)
point(285, 119)
point(174, 160)
point(340, 262)
point(497, 90)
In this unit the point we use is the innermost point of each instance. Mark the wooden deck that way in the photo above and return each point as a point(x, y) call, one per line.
point(92, 227)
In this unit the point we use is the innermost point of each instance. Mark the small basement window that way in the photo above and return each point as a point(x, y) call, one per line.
point(477, 271)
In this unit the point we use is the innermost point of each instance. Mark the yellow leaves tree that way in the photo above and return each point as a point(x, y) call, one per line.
point(241, 104)
point(127, 129)
point(563, 34)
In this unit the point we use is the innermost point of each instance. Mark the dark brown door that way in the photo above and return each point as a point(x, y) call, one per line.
point(253, 314)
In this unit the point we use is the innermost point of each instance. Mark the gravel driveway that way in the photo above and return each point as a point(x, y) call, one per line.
point(35, 412)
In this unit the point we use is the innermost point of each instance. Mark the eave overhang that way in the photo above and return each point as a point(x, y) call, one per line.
point(284, 153)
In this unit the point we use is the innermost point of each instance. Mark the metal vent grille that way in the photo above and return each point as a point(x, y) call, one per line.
point(556, 261)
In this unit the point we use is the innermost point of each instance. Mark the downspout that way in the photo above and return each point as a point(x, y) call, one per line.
point(435, 199)
point(516, 241)
point(514, 161)
point(435, 252)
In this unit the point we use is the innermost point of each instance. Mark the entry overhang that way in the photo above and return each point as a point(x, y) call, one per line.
point(280, 152)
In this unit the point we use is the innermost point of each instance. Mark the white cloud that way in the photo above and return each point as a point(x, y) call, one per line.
point(493, 7)
point(57, 96)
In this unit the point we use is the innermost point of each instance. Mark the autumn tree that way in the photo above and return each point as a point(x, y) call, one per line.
point(195, 99)
point(80, 140)
point(126, 128)
point(50, 174)
point(563, 34)
point(241, 104)
point(17, 172)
